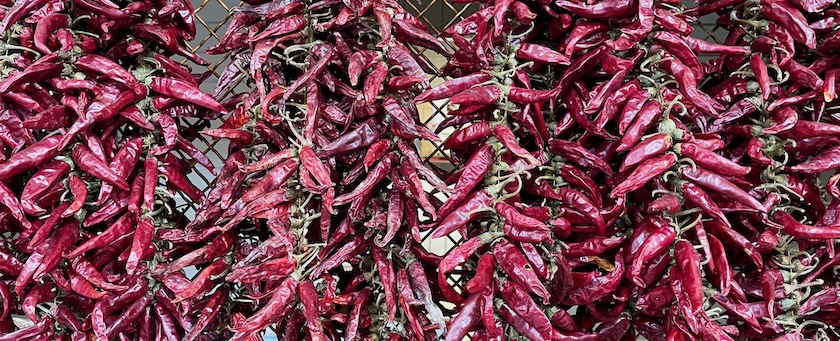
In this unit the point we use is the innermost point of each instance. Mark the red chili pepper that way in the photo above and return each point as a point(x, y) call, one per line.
point(119, 228)
point(598, 287)
point(720, 265)
point(725, 232)
point(688, 87)
point(484, 272)
point(360, 137)
point(514, 263)
point(468, 316)
point(540, 54)
point(478, 95)
point(33, 156)
point(279, 300)
point(688, 262)
point(452, 87)
point(709, 159)
point(632, 105)
point(647, 115)
point(47, 255)
point(467, 135)
point(463, 214)
point(675, 45)
point(649, 147)
point(717, 183)
point(576, 153)
point(520, 301)
point(783, 14)
point(9, 200)
point(92, 165)
point(645, 172)
point(651, 247)
point(605, 9)
point(79, 190)
point(794, 228)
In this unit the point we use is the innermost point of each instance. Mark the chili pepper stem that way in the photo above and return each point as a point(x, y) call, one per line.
point(7, 46)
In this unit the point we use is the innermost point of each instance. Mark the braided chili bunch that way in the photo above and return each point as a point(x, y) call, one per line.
point(94, 151)
point(325, 190)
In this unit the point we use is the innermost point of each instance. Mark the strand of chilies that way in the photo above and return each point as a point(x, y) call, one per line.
point(92, 154)
point(616, 171)
point(324, 185)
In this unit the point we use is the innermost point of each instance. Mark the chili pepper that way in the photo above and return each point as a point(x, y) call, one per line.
point(606, 9)
point(35, 329)
point(92, 165)
point(517, 299)
point(688, 262)
point(675, 45)
point(632, 106)
point(360, 137)
point(688, 86)
point(8, 199)
point(9, 265)
point(477, 95)
point(79, 191)
point(707, 158)
point(598, 287)
point(649, 147)
point(760, 71)
point(720, 265)
point(655, 299)
point(30, 157)
point(646, 171)
point(87, 271)
point(722, 231)
point(452, 87)
point(472, 133)
point(484, 271)
point(574, 152)
point(518, 323)
point(35, 296)
point(46, 228)
point(421, 288)
point(698, 197)
point(122, 163)
point(595, 246)
point(648, 114)
point(650, 247)
point(794, 228)
point(33, 73)
point(280, 299)
point(47, 255)
point(819, 163)
point(121, 227)
point(792, 19)
point(514, 263)
point(579, 67)
point(541, 54)
point(463, 214)
point(84, 288)
point(468, 316)
point(717, 183)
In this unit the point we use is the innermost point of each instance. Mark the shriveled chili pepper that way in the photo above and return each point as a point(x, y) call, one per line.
point(96, 167)
point(647, 115)
point(646, 171)
point(793, 227)
point(514, 263)
point(717, 183)
point(463, 214)
point(30, 157)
